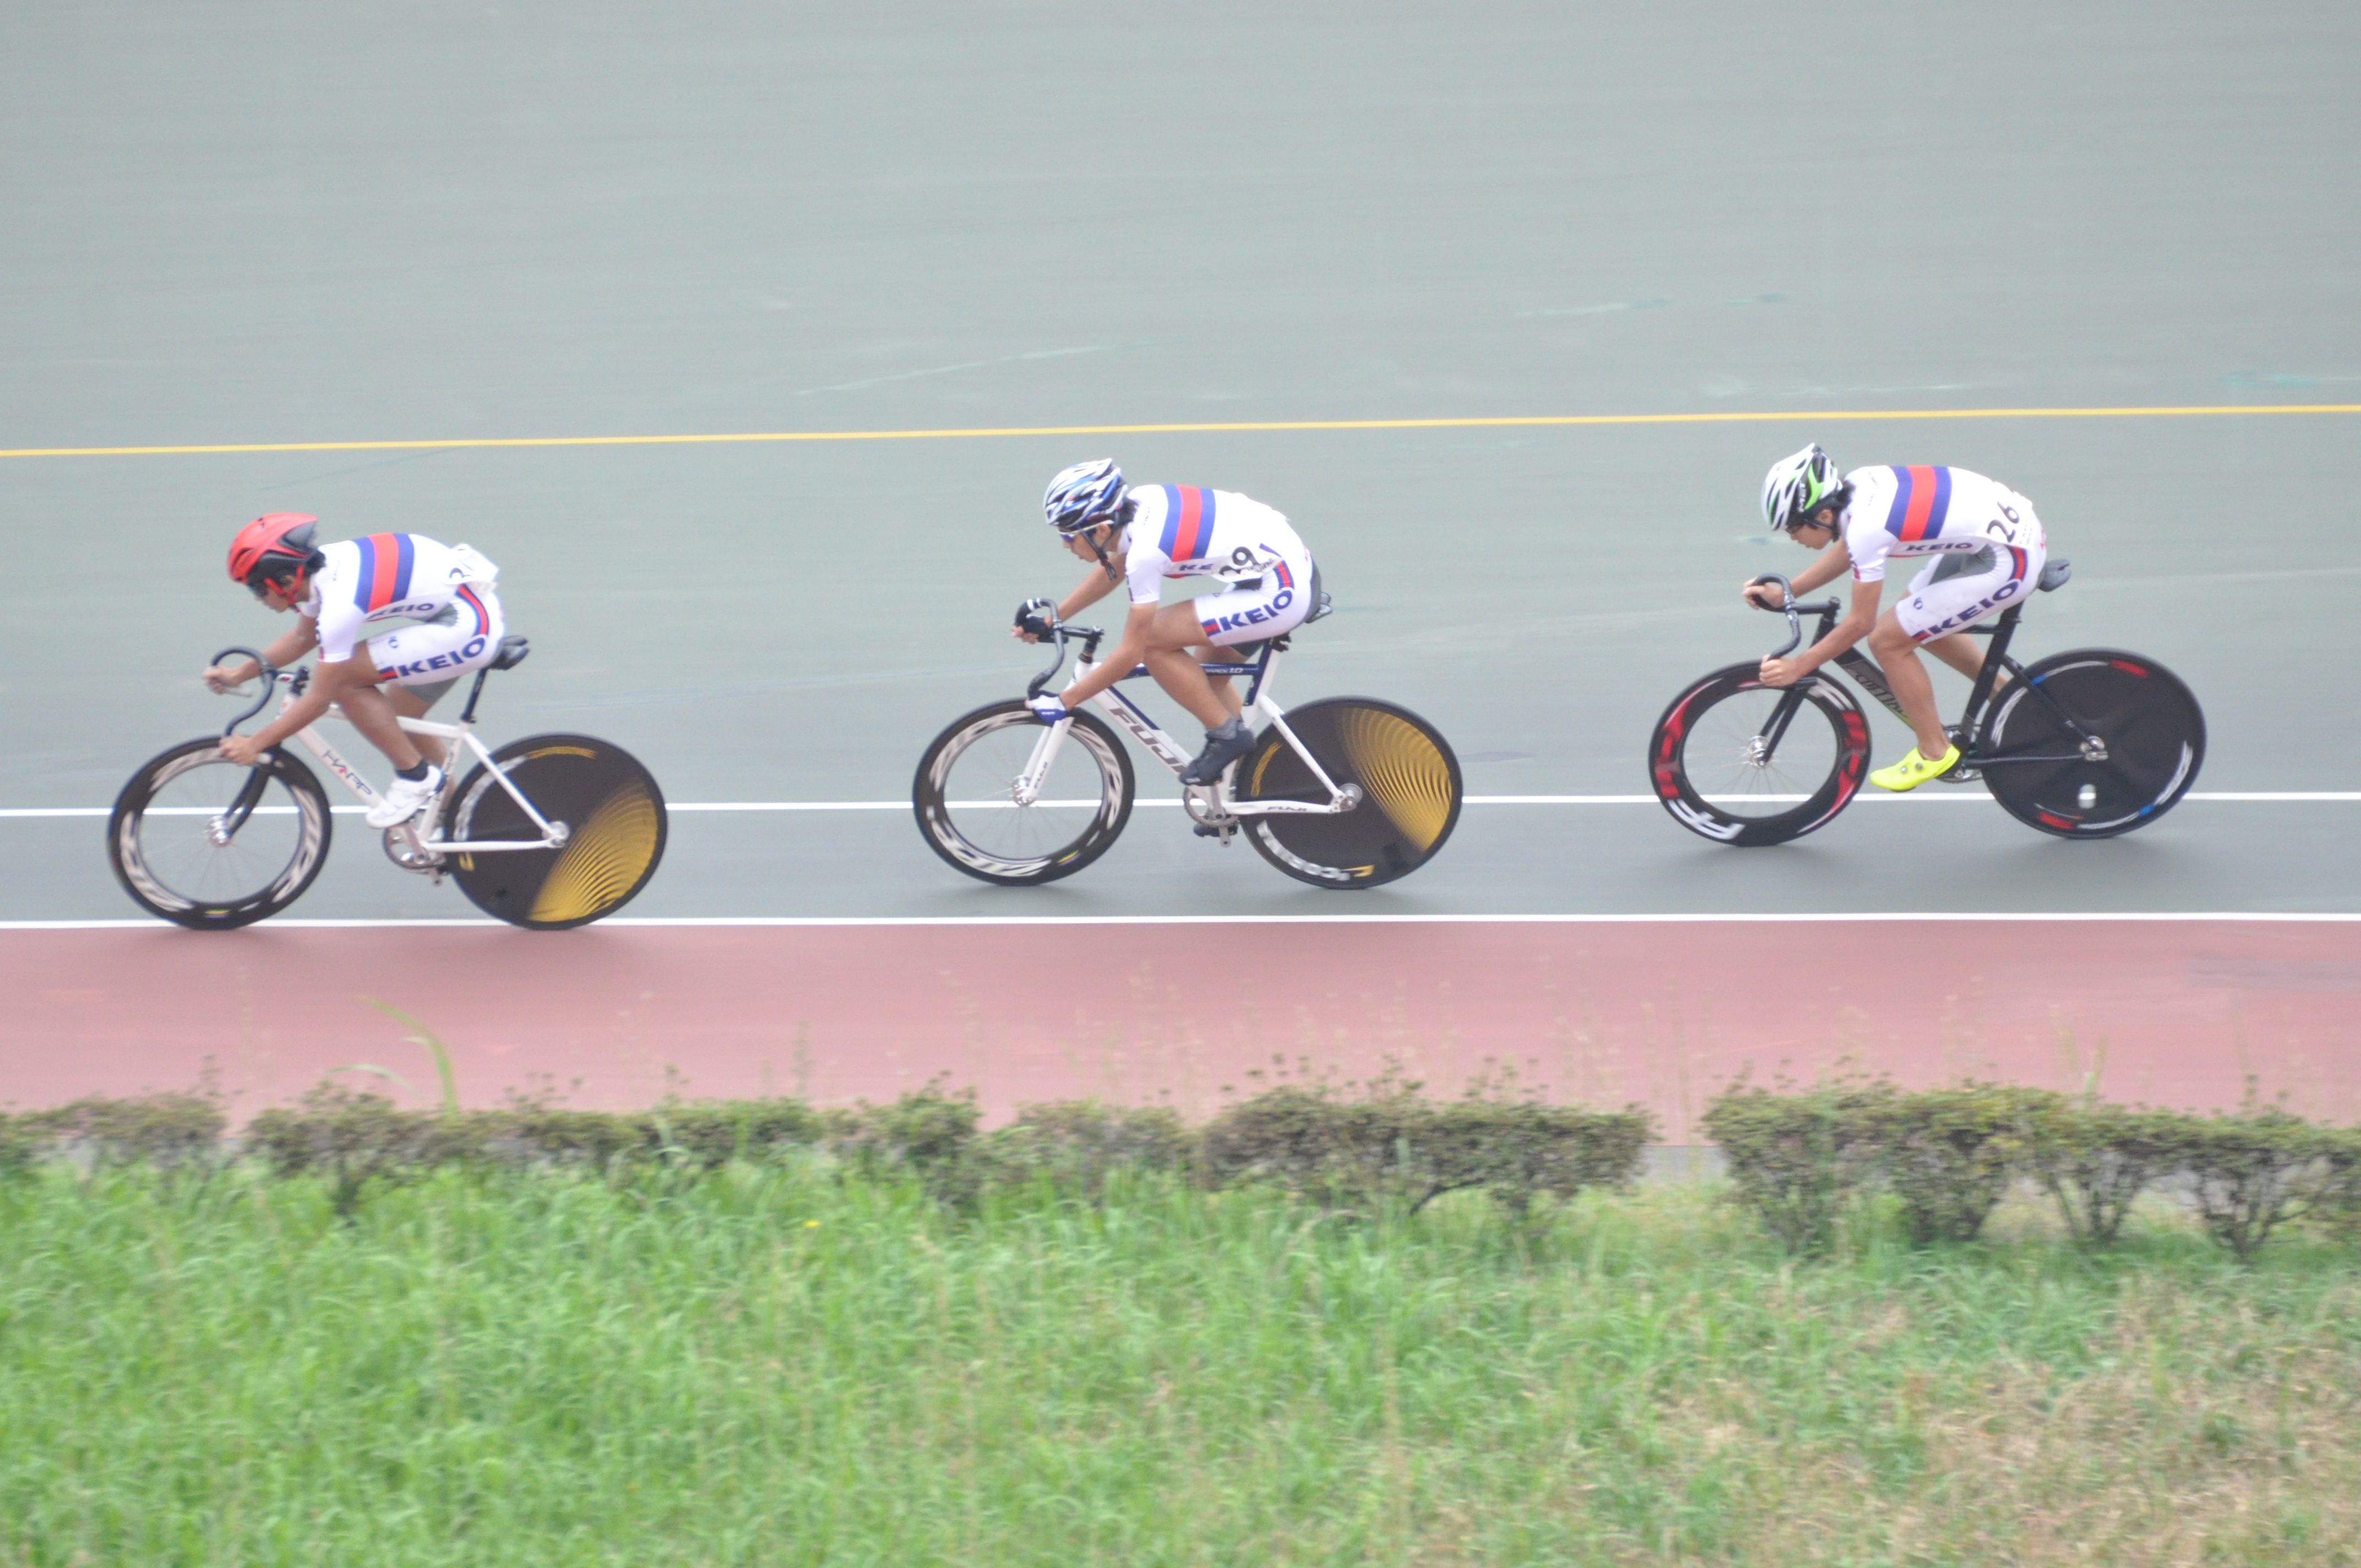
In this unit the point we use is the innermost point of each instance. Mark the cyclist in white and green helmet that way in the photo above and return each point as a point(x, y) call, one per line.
point(1987, 550)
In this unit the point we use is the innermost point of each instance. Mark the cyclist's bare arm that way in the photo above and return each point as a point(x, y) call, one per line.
point(1095, 588)
point(352, 683)
point(1825, 567)
point(282, 653)
point(1860, 620)
point(1129, 655)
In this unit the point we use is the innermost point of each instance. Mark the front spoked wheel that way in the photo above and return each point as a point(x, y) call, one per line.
point(965, 795)
point(2112, 741)
point(1720, 765)
point(206, 843)
point(615, 832)
point(1399, 770)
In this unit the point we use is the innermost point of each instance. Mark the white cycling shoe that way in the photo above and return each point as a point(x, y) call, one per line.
point(405, 798)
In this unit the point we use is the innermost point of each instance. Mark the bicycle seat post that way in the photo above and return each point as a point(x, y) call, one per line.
point(467, 714)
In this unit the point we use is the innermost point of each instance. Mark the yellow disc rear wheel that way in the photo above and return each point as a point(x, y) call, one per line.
point(1405, 773)
point(614, 817)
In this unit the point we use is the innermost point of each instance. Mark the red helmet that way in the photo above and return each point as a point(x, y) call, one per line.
point(272, 549)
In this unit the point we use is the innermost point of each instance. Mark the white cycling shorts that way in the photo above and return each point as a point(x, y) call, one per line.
point(1952, 593)
point(1278, 601)
point(466, 636)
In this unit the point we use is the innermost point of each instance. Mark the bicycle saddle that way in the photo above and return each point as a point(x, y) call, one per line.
point(2054, 575)
point(1321, 607)
point(513, 654)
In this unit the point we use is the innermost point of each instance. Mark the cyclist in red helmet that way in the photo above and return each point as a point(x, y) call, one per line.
point(442, 617)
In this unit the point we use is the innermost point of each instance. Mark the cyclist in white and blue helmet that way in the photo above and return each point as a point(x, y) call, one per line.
point(1141, 535)
point(1986, 550)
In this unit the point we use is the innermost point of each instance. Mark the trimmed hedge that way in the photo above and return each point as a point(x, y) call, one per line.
point(1389, 1145)
point(1946, 1156)
point(1796, 1160)
point(168, 1132)
point(1395, 1144)
point(1800, 1161)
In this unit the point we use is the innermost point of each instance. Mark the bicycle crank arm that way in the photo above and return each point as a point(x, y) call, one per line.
point(498, 846)
point(1971, 760)
point(1348, 799)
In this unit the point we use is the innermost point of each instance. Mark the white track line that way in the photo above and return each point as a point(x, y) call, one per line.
point(2078, 917)
point(2271, 797)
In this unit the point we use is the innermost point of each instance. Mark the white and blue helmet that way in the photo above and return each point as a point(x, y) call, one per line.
point(1085, 494)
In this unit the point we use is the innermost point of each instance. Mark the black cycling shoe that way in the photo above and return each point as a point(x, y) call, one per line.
point(1220, 751)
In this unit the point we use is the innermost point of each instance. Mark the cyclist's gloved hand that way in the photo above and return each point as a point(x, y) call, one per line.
point(1036, 617)
point(1047, 708)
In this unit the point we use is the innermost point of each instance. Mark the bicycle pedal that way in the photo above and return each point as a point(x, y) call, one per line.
point(1961, 776)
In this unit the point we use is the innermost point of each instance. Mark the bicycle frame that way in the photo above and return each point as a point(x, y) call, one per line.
point(1214, 798)
point(1973, 734)
point(429, 850)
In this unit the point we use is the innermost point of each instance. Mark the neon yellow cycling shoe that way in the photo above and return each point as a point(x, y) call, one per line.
point(1915, 770)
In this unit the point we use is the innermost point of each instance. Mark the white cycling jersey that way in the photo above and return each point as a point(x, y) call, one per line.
point(1905, 511)
point(393, 576)
point(1179, 530)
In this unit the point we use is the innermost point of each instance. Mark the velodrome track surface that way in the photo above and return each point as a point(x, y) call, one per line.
point(273, 246)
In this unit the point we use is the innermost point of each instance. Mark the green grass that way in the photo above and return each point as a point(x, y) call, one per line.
point(774, 1367)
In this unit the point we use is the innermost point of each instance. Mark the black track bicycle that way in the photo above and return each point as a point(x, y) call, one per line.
point(1345, 792)
point(2086, 745)
point(548, 832)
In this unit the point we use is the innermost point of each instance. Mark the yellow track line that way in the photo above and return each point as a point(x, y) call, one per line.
point(1209, 428)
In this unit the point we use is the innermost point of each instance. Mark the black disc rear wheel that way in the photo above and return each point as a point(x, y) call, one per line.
point(1408, 782)
point(2113, 740)
point(614, 817)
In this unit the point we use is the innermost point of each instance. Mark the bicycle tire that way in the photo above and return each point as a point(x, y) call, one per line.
point(1409, 782)
point(2153, 731)
point(159, 844)
point(968, 816)
point(612, 805)
point(1725, 791)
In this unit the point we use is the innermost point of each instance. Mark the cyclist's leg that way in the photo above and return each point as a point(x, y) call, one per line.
point(1896, 652)
point(354, 688)
point(412, 702)
point(1276, 604)
point(422, 663)
point(1941, 601)
point(1171, 659)
point(1961, 652)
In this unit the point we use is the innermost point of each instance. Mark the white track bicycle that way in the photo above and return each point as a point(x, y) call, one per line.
point(547, 832)
point(1340, 793)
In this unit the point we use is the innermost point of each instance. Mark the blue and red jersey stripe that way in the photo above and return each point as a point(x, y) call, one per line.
point(1922, 499)
point(1188, 522)
point(483, 621)
point(384, 570)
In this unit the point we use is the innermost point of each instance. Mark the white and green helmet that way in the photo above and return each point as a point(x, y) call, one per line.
point(1799, 485)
